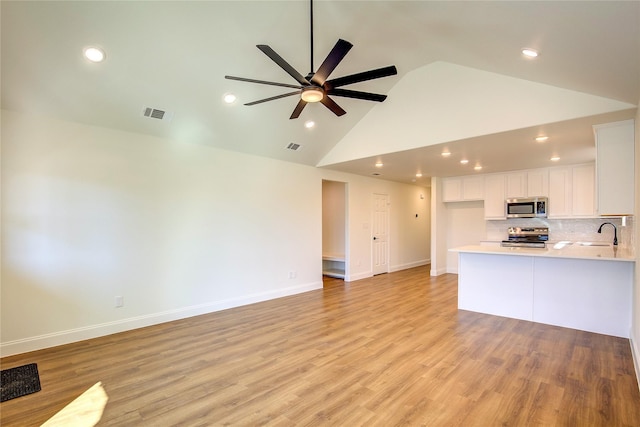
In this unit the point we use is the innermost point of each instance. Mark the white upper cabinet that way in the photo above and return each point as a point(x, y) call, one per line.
point(572, 191)
point(516, 185)
point(465, 188)
point(559, 193)
point(494, 195)
point(615, 168)
point(583, 191)
point(451, 189)
point(538, 183)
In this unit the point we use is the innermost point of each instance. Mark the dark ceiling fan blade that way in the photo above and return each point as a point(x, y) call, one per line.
point(283, 64)
point(263, 82)
point(284, 95)
point(296, 111)
point(367, 96)
point(361, 77)
point(331, 62)
point(331, 105)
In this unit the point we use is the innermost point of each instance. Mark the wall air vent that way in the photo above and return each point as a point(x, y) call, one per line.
point(155, 113)
point(293, 146)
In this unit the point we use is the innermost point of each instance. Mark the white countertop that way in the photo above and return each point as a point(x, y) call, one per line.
point(557, 250)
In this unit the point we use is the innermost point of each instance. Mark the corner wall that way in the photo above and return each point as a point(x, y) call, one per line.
point(635, 325)
point(409, 223)
point(175, 229)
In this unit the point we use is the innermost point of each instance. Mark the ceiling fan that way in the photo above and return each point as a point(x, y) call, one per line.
point(314, 87)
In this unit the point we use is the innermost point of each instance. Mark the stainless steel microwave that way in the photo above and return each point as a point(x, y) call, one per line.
point(530, 207)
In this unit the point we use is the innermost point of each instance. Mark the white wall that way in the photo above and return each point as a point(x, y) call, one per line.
point(635, 328)
point(466, 226)
point(439, 229)
point(91, 213)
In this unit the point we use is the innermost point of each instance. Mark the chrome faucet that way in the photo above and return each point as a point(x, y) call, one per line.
point(615, 232)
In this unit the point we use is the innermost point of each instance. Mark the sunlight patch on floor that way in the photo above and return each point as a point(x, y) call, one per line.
point(86, 410)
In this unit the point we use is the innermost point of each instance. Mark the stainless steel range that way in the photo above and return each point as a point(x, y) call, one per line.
point(527, 237)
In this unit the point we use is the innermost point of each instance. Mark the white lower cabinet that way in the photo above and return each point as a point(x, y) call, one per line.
point(592, 296)
point(589, 295)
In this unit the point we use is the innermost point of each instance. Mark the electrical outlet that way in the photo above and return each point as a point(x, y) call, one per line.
point(119, 301)
point(292, 274)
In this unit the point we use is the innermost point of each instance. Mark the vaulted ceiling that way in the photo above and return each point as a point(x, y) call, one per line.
point(462, 83)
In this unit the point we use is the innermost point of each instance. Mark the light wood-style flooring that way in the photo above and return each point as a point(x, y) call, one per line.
point(387, 351)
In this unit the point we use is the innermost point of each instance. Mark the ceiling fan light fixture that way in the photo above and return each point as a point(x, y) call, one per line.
point(312, 94)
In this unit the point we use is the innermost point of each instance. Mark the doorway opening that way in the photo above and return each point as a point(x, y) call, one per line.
point(334, 229)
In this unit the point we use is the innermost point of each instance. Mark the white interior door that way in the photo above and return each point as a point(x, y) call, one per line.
point(380, 233)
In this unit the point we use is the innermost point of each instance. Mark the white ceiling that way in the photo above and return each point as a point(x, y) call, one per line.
point(174, 56)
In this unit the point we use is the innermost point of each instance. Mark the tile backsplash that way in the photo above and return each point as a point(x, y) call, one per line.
point(574, 230)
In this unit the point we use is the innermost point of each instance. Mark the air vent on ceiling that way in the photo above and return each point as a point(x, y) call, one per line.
point(293, 146)
point(155, 113)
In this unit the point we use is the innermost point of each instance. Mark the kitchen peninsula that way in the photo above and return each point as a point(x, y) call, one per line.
point(573, 285)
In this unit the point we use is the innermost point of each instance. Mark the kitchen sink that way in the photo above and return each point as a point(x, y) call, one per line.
point(565, 243)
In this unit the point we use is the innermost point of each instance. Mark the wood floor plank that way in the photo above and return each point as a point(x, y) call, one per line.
point(386, 351)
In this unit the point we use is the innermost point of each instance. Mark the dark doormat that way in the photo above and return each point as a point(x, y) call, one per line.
point(20, 381)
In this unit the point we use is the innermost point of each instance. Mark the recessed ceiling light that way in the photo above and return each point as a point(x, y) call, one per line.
point(309, 124)
point(418, 175)
point(464, 161)
point(379, 164)
point(94, 54)
point(445, 154)
point(529, 53)
point(541, 138)
point(554, 158)
point(477, 167)
point(229, 98)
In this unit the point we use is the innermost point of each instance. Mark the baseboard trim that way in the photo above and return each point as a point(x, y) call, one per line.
point(635, 354)
point(359, 276)
point(392, 269)
point(438, 272)
point(400, 267)
point(40, 342)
